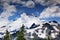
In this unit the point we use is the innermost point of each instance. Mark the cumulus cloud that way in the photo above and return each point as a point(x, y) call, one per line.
point(7, 11)
point(13, 1)
point(53, 11)
point(29, 4)
point(46, 2)
point(57, 1)
point(7, 1)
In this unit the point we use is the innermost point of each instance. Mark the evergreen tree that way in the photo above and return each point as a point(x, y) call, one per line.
point(20, 35)
point(7, 36)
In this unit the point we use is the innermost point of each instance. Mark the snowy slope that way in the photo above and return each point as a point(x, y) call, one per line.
point(42, 32)
point(15, 26)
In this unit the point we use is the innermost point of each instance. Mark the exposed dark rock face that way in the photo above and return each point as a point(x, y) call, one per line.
point(34, 26)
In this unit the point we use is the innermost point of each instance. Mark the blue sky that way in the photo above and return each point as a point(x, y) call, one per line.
point(29, 11)
point(36, 10)
point(1, 9)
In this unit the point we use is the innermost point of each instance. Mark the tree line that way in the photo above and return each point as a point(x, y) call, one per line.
point(20, 34)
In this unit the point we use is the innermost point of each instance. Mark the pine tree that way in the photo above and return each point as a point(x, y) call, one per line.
point(20, 35)
point(7, 36)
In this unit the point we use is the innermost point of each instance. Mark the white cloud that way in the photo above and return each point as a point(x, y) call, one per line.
point(57, 1)
point(7, 1)
point(53, 11)
point(18, 1)
point(13, 1)
point(7, 11)
point(29, 4)
point(46, 2)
